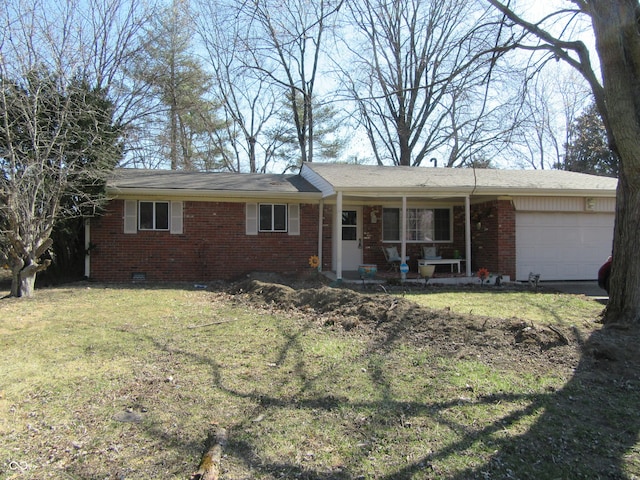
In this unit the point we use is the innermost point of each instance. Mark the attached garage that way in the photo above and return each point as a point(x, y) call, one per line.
point(563, 245)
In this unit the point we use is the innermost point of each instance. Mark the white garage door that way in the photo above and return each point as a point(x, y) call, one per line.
point(562, 246)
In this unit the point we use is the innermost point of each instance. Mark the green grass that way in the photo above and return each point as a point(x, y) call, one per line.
point(300, 399)
point(555, 308)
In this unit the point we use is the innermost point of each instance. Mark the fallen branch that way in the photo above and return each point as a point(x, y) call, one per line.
point(562, 336)
point(209, 468)
point(209, 324)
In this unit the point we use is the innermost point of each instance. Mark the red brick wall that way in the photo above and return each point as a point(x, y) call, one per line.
point(327, 229)
point(213, 246)
point(506, 239)
point(493, 237)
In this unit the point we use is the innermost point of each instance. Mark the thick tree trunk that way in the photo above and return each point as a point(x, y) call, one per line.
point(618, 45)
point(27, 284)
point(24, 279)
point(23, 284)
point(624, 298)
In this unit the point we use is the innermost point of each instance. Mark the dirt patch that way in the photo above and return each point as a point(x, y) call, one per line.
point(387, 319)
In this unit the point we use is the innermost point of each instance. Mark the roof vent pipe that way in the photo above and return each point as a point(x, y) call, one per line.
point(434, 161)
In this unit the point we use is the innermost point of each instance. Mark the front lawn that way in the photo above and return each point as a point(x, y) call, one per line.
point(107, 382)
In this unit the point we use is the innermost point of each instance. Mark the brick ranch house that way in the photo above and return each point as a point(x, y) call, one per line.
point(164, 225)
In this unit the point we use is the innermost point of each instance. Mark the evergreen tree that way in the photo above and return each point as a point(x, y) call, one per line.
point(588, 150)
point(185, 122)
point(327, 141)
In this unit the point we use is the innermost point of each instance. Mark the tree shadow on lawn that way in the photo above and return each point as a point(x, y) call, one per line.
point(587, 429)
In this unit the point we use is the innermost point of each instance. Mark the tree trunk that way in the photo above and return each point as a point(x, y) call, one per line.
point(24, 279)
point(27, 283)
point(23, 283)
point(403, 145)
point(624, 296)
point(618, 45)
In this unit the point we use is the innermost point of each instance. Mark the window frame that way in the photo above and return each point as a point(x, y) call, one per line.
point(154, 215)
point(273, 218)
point(435, 228)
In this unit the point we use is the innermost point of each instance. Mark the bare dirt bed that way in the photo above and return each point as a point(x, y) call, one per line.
point(385, 318)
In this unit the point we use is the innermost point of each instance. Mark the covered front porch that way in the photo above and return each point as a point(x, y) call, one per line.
point(356, 229)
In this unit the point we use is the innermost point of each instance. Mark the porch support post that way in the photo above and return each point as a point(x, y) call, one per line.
point(320, 217)
point(467, 234)
point(403, 232)
point(338, 236)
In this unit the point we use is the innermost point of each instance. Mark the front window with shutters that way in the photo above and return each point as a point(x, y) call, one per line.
point(153, 216)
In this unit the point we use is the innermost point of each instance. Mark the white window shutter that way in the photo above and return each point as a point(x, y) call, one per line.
point(130, 216)
point(176, 218)
point(252, 218)
point(294, 219)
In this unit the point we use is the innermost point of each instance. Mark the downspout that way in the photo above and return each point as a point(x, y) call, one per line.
point(338, 236)
point(87, 248)
point(467, 233)
point(320, 211)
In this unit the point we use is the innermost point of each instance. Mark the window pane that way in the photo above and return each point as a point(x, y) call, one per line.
point(349, 233)
point(391, 224)
point(425, 225)
point(266, 214)
point(280, 218)
point(146, 215)
point(349, 217)
point(162, 216)
point(442, 224)
point(349, 225)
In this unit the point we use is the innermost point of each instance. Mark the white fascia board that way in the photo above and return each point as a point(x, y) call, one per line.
point(408, 192)
point(479, 190)
point(540, 192)
point(317, 181)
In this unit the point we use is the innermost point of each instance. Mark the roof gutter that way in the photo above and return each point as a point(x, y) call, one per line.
point(208, 194)
point(470, 191)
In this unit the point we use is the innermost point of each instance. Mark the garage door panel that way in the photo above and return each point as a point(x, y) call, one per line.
point(562, 246)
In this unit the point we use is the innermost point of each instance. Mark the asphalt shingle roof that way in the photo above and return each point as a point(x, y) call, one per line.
point(130, 178)
point(373, 177)
point(369, 178)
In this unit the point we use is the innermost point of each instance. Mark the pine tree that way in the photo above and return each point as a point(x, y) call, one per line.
point(587, 150)
point(328, 143)
point(185, 117)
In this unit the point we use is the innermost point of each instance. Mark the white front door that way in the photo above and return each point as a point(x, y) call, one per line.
point(351, 238)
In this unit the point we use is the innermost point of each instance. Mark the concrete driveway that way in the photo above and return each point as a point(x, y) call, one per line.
point(588, 288)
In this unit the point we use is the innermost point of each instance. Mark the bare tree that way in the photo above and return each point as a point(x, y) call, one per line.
point(550, 102)
point(417, 71)
point(247, 98)
point(616, 91)
point(287, 49)
point(60, 128)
